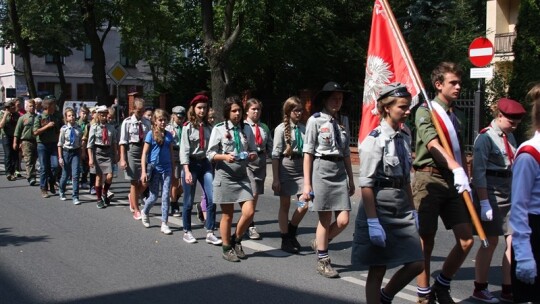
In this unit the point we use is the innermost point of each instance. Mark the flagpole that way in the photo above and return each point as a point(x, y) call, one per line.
point(436, 124)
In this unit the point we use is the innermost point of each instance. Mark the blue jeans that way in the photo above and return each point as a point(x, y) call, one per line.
point(201, 170)
point(48, 163)
point(72, 160)
point(165, 180)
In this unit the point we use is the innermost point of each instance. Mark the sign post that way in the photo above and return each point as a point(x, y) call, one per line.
point(480, 54)
point(118, 73)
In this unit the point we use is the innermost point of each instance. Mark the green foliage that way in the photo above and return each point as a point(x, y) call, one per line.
point(290, 45)
point(526, 58)
point(49, 26)
point(442, 30)
point(497, 87)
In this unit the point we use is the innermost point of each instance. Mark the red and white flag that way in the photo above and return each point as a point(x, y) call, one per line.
point(386, 63)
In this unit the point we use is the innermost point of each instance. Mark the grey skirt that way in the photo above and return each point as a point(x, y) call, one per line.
point(177, 170)
point(330, 186)
point(231, 183)
point(257, 174)
point(102, 161)
point(291, 176)
point(402, 239)
point(133, 171)
point(499, 190)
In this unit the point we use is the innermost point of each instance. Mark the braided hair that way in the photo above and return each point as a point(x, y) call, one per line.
point(290, 104)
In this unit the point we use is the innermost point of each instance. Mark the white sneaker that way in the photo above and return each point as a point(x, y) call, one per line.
point(76, 201)
point(110, 194)
point(253, 234)
point(145, 220)
point(212, 239)
point(188, 238)
point(165, 229)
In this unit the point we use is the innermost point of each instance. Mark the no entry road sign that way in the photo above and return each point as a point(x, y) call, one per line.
point(481, 52)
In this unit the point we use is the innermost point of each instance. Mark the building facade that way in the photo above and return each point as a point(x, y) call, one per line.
point(501, 20)
point(77, 71)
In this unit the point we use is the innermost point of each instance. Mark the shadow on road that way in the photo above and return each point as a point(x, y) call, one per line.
point(7, 239)
point(223, 289)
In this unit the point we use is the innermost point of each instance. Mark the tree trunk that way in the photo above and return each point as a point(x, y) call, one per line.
point(99, 75)
point(217, 53)
point(63, 84)
point(219, 87)
point(23, 47)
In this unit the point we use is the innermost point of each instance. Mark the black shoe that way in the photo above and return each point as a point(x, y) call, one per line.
point(295, 243)
point(287, 245)
point(441, 294)
point(52, 189)
point(106, 201)
point(11, 178)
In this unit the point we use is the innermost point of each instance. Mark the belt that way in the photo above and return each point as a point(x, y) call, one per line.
point(135, 143)
point(293, 156)
point(429, 169)
point(389, 183)
point(176, 148)
point(102, 146)
point(499, 173)
point(260, 152)
point(29, 139)
point(330, 157)
point(71, 150)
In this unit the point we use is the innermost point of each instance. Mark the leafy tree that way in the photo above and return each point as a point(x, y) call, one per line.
point(526, 59)
point(291, 45)
point(46, 28)
point(55, 31)
point(12, 34)
point(98, 17)
point(442, 30)
point(217, 50)
point(164, 35)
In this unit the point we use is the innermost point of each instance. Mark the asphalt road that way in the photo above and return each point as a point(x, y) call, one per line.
point(54, 252)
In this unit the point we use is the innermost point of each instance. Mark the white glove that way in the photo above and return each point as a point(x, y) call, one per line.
point(376, 232)
point(461, 180)
point(526, 271)
point(486, 213)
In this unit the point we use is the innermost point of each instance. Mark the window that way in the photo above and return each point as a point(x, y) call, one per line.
point(54, 59)
point(126, 61)
point(88, 52)
point(2, 56)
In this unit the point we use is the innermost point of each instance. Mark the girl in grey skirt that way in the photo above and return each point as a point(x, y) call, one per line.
point(327, 171)
point(231, 147)
point(102, 147)
point(132, 134)
point(257, 169)
point(386, 234)
point(287, 171)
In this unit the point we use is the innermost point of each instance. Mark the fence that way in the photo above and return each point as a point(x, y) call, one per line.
point(465, 103)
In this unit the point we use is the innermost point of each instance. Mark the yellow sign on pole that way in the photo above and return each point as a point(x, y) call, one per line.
point(118, 73)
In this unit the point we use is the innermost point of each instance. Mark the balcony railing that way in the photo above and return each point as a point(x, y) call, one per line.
point(504, 42)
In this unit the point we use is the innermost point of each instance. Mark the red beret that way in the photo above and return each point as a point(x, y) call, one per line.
point(510, 107)
point(197, 99)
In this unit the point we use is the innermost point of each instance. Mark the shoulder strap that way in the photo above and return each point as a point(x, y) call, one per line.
point(530, 150)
